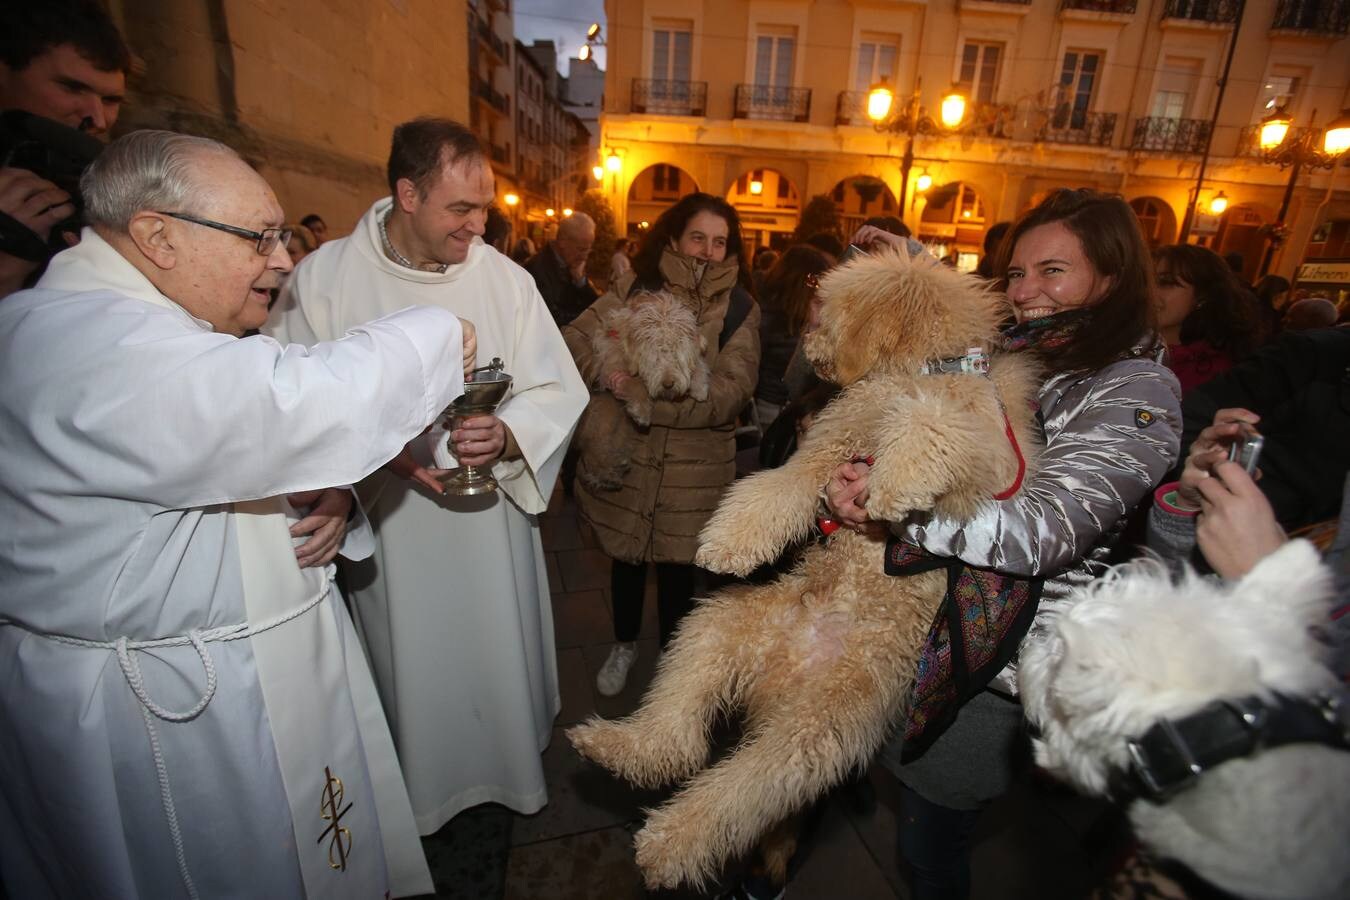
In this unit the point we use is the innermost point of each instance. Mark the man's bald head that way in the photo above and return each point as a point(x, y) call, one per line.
point(1310, 313)
point(576, 236)
point(577, 226)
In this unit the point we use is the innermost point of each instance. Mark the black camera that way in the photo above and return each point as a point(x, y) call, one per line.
point(51, 151)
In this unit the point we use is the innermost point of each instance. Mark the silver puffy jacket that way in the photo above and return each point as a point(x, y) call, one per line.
point(1110, 437)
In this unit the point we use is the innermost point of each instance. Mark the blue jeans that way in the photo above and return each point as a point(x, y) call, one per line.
point(935, 842)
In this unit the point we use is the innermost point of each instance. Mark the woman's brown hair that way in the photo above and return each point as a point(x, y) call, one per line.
point(1225, 314)
point(790, 284)
point(1113, 242)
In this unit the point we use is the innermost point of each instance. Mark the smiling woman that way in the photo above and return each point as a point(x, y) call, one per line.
point(1079, 278)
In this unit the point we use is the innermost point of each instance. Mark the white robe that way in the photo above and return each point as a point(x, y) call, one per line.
point(454, 608)
point(143, 464)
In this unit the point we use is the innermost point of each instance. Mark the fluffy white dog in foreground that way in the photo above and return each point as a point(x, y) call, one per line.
point(1104, 667)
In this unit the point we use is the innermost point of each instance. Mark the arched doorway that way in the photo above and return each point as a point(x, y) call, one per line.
point(769, 207)
point(1240, 232)
point(953, 224)
point(1156, 219)
point(653, 191)
point(859, 198)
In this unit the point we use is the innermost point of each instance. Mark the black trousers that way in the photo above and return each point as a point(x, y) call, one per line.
point(675, 584)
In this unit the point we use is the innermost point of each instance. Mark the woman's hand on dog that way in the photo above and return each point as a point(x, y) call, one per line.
point(846, 497)
point(870, 235)
point(1210, 448)
point(1236, 528)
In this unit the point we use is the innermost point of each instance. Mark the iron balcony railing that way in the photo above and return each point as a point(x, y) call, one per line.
point(766, 101)
point(1106, 6)
point(1216, 11)
point(494, 98)
point(1249, 140)
point(1170, 135)
point(490, 38)
point(501, 155)
point(851, 108)
point(1327, 17)
point(1067, 126)
point(670, 98)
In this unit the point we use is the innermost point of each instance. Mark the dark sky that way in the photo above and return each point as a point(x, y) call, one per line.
point(562, 21)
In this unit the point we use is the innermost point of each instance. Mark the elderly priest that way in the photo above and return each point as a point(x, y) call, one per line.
point(184, 708)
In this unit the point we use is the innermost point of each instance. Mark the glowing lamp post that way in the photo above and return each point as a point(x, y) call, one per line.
point(911, 120)
point(1295, 152)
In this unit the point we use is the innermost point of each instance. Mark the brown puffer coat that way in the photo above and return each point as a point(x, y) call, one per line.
point(686, 459)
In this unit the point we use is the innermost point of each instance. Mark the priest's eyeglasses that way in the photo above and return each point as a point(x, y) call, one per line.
point(267, 239)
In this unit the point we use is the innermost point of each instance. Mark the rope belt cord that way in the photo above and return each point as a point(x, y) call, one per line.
point(131, 671)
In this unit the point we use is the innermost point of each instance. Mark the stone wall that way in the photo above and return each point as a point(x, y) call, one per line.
point(309, 91)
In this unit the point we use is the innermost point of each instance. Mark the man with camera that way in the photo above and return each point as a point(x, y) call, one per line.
point(63, 68)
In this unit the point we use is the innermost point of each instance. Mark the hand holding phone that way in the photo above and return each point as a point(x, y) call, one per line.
point(1246, 450)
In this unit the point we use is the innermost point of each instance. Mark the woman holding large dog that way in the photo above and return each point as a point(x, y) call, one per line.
point(687, 457)
point(1078, 274)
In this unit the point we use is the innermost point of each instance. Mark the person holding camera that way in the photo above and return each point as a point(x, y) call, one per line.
point(63, 69)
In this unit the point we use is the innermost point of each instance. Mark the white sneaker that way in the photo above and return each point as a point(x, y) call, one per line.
point(613, 675)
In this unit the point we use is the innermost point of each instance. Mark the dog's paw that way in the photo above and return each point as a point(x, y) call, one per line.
point(719, 558)
point(640, 411)
point(698, 383)
point(669, 852)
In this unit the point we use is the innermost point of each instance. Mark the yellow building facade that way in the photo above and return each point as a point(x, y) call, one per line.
point(764, 102)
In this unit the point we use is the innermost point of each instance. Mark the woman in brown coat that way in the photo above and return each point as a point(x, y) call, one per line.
point(687, 457)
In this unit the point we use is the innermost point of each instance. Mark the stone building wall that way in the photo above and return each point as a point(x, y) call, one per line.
point(309, 91)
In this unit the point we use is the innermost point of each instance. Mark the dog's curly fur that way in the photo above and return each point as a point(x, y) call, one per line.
point(1103, 665)
point(822, 660)
point(654, 337)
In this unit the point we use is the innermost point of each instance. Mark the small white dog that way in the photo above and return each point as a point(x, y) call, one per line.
point(1101, 668)
point(655, 338)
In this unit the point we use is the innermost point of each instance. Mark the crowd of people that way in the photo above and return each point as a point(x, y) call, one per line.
point(210, 412)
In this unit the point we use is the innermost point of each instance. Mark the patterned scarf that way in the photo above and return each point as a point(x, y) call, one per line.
point(1048, 333)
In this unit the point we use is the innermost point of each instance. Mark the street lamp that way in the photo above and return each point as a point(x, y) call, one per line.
point(1218, 203)
point(911, 120)
point(598, 172)
point(511, 199)
point(1294, 153)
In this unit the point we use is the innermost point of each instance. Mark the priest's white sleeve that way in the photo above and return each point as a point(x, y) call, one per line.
point(250, 418)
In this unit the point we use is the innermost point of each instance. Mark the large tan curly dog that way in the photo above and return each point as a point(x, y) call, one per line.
point(822, 660)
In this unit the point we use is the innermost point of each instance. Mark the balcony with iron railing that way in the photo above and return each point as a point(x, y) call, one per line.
point(1091, 129)
point(669, 98)
point(1164, 135)
point(500, 154)
point(1325, 18)
point(1249, 140)
point(1018, 7)
point(492, 97)
point(492, 41)
point(766, 101)
point(851, 109)
point(1118, 7)
point(1215, 12)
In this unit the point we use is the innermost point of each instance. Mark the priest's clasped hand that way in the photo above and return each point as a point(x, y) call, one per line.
point(478, 440)
point(470, 346)
point(325, 521)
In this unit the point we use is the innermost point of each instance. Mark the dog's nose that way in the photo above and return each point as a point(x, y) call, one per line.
point(669, 382)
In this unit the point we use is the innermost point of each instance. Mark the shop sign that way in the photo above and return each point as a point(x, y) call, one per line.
point(1325, 272)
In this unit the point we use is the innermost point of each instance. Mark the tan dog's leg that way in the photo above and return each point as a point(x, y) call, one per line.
point(759, 516)
point(832, 720)
point(666, 740)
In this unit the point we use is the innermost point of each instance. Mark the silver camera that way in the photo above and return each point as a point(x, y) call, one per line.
point(1246, 452)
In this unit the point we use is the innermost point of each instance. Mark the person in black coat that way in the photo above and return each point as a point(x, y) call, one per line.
point(559, 270)
point(1300, 387)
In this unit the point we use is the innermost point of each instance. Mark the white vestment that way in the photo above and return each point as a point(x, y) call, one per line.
point(454, 607)
point(180, 704)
